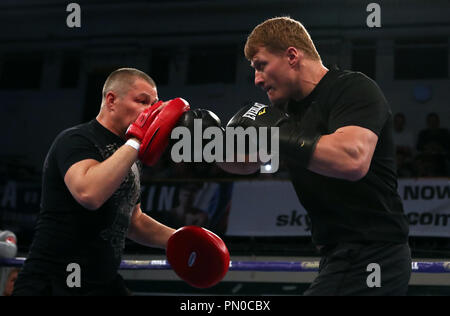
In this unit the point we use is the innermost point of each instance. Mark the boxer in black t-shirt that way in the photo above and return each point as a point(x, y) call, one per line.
point(335, 134)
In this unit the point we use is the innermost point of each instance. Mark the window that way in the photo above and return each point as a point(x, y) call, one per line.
point(421, 58)
point(212, 64)
point(364, 57)
point(21, 71)
point(160, 65)
point(70, 70)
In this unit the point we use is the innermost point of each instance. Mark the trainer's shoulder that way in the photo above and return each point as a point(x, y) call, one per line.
point(82, 130)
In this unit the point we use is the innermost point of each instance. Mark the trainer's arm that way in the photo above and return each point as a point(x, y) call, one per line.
point(147, 231)
point(91, 182)
point(345, 154)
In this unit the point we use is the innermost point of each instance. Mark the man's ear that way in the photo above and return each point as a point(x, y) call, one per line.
point(110, 100)
point(294, 55)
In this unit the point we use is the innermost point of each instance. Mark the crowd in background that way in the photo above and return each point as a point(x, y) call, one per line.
point(426, 154)
point(423, 154)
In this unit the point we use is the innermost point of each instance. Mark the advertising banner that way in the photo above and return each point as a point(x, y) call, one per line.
point(271, 208)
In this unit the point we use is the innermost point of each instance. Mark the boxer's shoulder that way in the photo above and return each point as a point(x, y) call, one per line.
point(349, 77)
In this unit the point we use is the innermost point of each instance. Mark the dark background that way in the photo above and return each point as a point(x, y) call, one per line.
point(51, 77)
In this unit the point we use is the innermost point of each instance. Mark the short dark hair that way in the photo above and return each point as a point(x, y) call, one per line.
point(121, 79)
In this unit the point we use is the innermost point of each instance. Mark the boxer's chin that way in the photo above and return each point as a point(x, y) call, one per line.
point(278, 102)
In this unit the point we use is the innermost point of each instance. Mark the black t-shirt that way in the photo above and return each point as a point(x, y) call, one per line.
point(68, 233)
point(369, 209)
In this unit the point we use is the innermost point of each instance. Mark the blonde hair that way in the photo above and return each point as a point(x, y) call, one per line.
point(277, 34)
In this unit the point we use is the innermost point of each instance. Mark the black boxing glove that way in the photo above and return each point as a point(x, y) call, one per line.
point(208, 118)
point(294, 142)
point(197, 121)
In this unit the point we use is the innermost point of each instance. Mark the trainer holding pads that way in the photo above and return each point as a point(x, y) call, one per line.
point(91, 193)
point(336, 137)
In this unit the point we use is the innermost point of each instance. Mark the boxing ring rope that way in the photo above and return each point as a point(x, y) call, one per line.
point(265, 266)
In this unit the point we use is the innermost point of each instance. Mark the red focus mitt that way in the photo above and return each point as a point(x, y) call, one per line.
point(139, 127)
point(153, 128)
point(198, 256)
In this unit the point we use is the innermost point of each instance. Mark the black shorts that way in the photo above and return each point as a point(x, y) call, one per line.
point(363, 269)
point(40, 284)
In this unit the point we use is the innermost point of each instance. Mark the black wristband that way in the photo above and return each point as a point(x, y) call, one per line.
point(297, 144)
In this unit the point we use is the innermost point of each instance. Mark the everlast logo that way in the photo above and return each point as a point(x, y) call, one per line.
point(256, 109)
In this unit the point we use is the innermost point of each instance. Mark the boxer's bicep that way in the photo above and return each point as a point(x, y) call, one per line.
point(346, 153)
point(361, 142)
point(78, 183)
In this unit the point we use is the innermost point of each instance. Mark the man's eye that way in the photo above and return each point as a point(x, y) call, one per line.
point(259, 66)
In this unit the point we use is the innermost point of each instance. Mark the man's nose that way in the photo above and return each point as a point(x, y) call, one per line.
point(259, 81)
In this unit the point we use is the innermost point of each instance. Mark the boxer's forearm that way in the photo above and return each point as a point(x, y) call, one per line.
point(94, 182)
